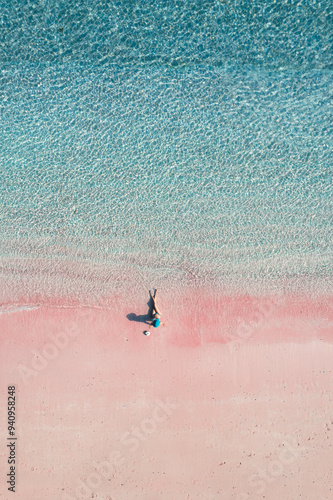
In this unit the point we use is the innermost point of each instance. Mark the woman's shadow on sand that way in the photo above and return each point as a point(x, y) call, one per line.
point(142, 318)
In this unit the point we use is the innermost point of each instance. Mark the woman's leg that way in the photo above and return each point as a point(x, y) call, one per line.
point(153, 299)
point(155, 308)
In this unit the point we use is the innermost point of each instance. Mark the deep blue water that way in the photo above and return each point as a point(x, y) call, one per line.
point(272, 34)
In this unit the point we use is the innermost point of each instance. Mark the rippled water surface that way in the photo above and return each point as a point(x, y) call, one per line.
point(165, 143)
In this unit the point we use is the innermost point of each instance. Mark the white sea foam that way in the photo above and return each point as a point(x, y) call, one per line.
point(13, 308)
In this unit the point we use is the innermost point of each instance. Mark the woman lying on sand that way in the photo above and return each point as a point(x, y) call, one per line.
point(155, 313)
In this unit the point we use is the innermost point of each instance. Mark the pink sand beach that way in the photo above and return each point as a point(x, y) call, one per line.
point(232, 399)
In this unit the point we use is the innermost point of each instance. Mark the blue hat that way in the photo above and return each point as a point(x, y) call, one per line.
point(156, 322)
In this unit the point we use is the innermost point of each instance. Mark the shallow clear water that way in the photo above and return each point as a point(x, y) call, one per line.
point(174, 141)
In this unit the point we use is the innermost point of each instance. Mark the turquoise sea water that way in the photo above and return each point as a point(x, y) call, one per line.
point(181, 142)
